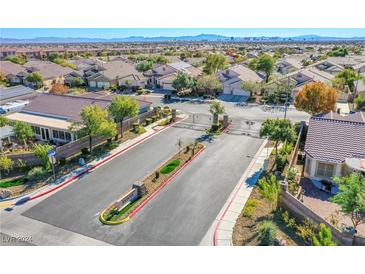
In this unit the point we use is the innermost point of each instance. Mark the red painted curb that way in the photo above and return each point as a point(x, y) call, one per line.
point(138, 208)
point(101, 162)
point(235, 194)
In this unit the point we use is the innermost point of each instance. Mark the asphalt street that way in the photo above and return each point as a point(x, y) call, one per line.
point(76, 207)
point(179, 215)
point(254, 113)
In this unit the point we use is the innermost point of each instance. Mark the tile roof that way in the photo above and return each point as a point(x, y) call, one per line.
point(333, 138)
point(15, 91)
point(7, 67)
point(47, 69)
point(68, 107)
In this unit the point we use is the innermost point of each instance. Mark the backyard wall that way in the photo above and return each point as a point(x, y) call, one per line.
point(302, 212)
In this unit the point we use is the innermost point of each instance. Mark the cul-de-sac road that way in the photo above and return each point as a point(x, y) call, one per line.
point(180, 214)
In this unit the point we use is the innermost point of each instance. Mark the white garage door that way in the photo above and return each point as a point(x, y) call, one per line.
point(92, 84)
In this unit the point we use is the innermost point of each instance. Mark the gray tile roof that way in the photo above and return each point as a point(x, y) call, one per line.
point(14, 92)
point(67, 107)
point(333, 138)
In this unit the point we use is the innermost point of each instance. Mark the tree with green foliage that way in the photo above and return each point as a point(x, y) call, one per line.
point(183, 81)
point(359, 102)
point(351, 196)
point(216, 108)
point(122, 107)
point(3, 121)
point(162, 59)
point(345, 80)
point(20, 60)
point(35, 78)
point(278, 130)
point(23, 132)
point(144, 65)
point(41, 152)
point(324, 237)
point(270, 189)
point(208, 84)
point(264, 63)
point(95, 122)
point(338, 52)
point(214, 62)
point(252, 86)
point(77, 82)
point(267, 233)
point(6, 164)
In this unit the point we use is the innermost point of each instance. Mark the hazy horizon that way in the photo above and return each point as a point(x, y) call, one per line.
point(109, 33)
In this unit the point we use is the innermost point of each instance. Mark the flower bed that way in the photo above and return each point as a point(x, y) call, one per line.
point(150, 184)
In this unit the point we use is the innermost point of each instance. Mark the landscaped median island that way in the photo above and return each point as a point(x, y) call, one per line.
point(121, 210)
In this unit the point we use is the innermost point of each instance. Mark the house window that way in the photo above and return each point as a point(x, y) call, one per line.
point(37, 130)
point(55, 134)
point(325, 170)
point(68, 136)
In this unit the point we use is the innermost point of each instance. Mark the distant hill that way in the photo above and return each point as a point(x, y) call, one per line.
point(197, 38)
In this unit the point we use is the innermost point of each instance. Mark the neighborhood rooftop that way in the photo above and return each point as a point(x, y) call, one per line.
point(333, 138)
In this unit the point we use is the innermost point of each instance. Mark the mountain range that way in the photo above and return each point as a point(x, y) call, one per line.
point(197, 38)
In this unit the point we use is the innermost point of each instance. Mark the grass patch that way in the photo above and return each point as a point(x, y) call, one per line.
point(170, 167)
point(123, 211)
point(11, 183)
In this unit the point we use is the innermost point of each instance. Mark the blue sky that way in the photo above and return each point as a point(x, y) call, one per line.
point(152, 32)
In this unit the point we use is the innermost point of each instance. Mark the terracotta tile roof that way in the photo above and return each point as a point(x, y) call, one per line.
point(333, 138)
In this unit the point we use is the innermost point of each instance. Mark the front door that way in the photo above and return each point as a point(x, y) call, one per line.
point(45, 134)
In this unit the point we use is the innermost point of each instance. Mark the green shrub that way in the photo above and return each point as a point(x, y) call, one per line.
point(165, 122)
point(11, 183)
point(6, 164)
point(281, 161)
point(324, 237)
point(267, 233)
point(249, 207)
point(170, 167)
point(135, 127)
point(36, 173)
point(289, 222)
point(306, 231)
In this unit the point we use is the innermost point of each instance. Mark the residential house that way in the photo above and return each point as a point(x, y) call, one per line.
point(104, 75)
point(51, 72)
point(52, 115)
point(335, 146)
point(162, 75)
point(233, 78)
point(14, 73)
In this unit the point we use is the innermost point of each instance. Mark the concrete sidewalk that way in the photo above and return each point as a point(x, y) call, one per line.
point(220, 232)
